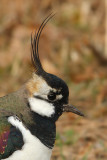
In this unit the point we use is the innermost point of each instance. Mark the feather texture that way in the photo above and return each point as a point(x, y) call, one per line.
point(10, 139)
point(4, 139)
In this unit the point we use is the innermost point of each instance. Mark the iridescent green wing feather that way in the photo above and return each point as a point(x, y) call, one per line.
point(4, 133)
point(10, 139)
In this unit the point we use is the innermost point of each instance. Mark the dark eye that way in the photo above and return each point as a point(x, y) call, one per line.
point(52, 96)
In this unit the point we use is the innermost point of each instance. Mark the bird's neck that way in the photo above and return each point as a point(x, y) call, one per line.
point(44, 129)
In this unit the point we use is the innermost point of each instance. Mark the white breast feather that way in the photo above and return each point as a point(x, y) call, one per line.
point(32, 149)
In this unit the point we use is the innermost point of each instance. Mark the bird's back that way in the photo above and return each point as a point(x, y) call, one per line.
point(16, 104)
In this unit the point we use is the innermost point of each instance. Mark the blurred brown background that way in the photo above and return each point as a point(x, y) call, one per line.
point(72, 46)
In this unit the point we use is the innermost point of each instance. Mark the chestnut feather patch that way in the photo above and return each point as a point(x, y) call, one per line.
point(3, 140)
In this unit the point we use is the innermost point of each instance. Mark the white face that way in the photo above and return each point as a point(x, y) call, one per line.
point(39, 91)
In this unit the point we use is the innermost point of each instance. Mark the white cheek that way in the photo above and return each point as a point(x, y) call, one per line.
point(41, 107)
point(59, 97)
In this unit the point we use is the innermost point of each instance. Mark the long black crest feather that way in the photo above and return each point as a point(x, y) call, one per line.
point(35, 44)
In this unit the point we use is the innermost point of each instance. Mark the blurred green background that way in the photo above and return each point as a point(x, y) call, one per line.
point(73, 46)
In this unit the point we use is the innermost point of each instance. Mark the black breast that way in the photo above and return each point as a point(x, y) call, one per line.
point(44, 129)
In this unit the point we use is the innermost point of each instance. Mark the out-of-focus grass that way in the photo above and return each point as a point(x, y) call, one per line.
point(70, 137)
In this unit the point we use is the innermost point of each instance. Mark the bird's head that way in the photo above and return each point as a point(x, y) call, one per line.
point(48, 94)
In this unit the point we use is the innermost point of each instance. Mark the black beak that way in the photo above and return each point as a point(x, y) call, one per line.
point(71, 108)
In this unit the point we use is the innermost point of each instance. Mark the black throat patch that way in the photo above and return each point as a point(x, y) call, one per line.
point(44, 129)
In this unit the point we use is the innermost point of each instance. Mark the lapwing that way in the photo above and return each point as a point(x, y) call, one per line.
point(28, 116)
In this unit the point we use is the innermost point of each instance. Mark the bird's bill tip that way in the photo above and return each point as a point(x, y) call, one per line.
point(71, 108)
